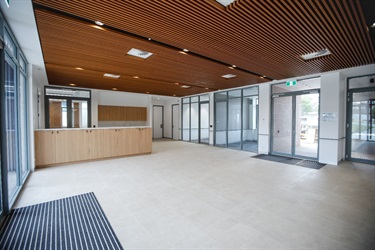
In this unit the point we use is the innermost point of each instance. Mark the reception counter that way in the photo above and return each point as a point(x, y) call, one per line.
point(56, 146)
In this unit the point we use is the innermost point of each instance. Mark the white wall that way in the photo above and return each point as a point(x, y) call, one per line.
point(116, 98)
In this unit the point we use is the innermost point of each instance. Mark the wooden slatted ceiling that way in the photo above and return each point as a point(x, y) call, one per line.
point(266, 37)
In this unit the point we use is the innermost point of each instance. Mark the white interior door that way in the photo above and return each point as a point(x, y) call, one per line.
point(175, 123)
point(157, 126)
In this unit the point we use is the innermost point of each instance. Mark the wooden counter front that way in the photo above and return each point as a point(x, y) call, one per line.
point(56, 146)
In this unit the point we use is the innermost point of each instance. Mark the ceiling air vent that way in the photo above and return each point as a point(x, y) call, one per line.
point(313, 55)
point(225, 2)
point(139, 53)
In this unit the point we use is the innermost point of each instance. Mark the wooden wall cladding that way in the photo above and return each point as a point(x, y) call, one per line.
point(121, 113)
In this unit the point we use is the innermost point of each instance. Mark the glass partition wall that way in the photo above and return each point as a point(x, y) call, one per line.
point(236, 119)
point(14, 120)
point(196, 119)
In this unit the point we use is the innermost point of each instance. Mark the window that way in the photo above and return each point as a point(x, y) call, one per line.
point(67, 108)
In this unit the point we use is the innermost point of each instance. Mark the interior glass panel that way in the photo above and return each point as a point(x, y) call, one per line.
point(23, 124)
point(11, 127)
point(363, 126)
point(282, 125)
point(79, 114)
point(58, 116)
point(186, 122)
point(194, 125)
point(234, 123)
point(307, 125)
point(250, 123)
point(204, 122)
point(221, 123)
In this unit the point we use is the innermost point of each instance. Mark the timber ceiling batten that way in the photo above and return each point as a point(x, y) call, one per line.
point(262, 38)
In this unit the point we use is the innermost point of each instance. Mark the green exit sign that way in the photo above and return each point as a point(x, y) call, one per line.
point(291, 83)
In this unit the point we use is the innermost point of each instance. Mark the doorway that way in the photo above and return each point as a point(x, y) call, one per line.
point(204, 120)
point(175, 123)
point(158, 122)
point(295, 124)
point(361, 125)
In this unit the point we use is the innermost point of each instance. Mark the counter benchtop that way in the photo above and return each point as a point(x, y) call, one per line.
point(97, 128)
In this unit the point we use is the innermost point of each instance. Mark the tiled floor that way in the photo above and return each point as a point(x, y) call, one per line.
point(187, 195)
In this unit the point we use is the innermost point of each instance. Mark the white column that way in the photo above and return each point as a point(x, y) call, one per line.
point(264, 118)
point(332, 118)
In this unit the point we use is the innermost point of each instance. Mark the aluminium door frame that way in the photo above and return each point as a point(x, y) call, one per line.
point(162, 118)
point(293, 94)
point(349, 113)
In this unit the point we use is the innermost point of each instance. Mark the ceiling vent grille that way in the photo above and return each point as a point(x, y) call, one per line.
point(139, 53)
point(313, 55)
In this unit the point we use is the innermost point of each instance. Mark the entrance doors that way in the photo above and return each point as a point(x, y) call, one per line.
point(157, 126)
point(295, 124)
point(361, 125)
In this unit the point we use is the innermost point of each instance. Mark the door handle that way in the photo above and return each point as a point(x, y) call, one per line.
point(161, 125)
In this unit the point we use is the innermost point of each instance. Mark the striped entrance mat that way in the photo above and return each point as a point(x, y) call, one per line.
point(76, 222)
point(291, 161)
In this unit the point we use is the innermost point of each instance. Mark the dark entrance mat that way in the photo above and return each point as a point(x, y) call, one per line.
point(291, 161)
point(76, 222)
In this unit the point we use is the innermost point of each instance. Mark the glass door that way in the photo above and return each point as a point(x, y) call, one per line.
point(11, 135)
point(296, 124)
point(306, 125)
point(361, 129)
point(204, 128)
point(282, 125)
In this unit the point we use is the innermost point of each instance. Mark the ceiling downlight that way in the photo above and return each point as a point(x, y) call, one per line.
point(228, 76)
point(111, 75)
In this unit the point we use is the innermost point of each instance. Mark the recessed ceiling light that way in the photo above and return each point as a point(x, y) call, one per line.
point(114, 88)
point(225, 2)
point(136, 77)
point(234, 66)
point(174, 94)
point(185, 50)
point(72, 84)
point(139, 53)
point(185, 86)
point(206, 88)
point(79, 68)
point(317, 54)
point(99, 23)
point(97, 27)
point(147, 92)
point(228, 76)
point(149, 39)
point(111, 75)
point(230, 67)
point(182, 52)
point(176, 83)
